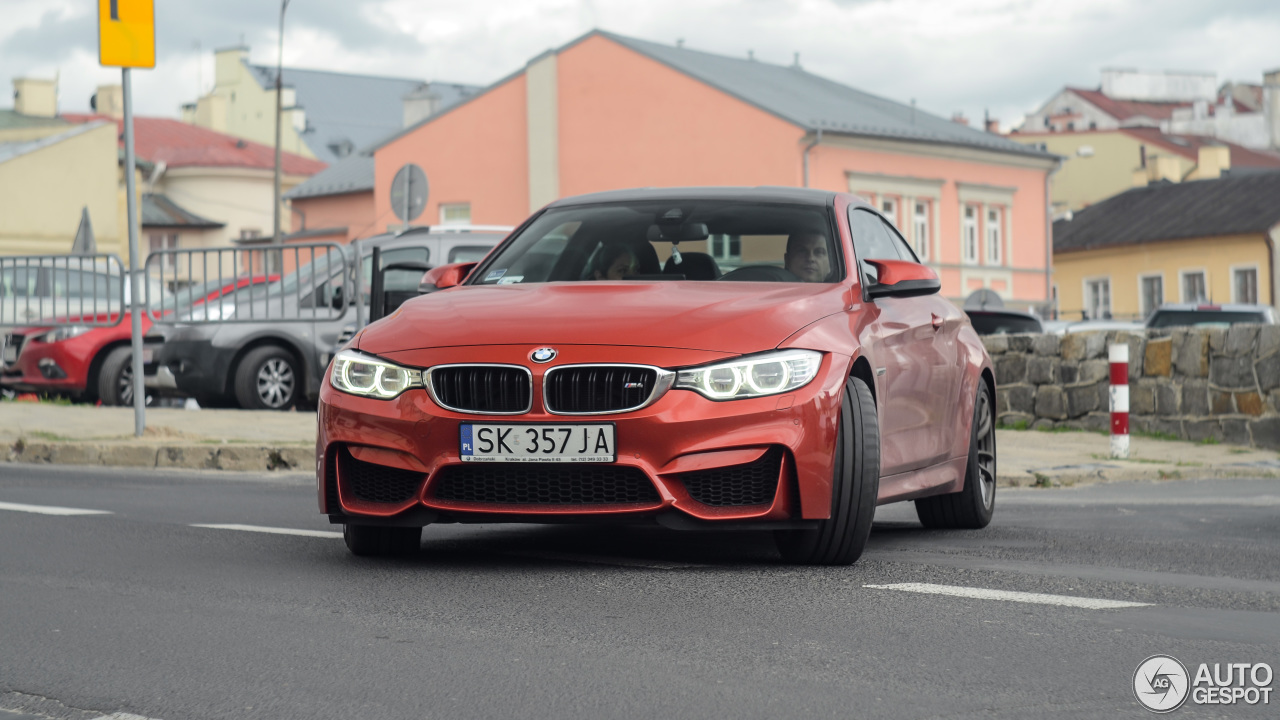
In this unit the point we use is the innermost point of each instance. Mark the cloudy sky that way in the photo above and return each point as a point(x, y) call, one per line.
point(970, 56)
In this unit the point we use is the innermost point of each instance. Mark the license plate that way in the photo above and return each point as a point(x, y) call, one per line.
point(148, 354)
point(538, 443)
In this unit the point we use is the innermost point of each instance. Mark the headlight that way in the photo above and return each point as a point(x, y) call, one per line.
point(756, 376)
point(65, 333)
point(208, 312)
point(367, 376)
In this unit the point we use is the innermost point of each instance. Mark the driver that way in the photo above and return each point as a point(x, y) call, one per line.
point(615, 262)
point(807, 256)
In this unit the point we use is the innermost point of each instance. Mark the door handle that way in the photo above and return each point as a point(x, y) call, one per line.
point(937, 322)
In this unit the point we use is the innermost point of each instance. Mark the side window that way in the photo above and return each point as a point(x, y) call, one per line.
point(468, 253)
point(396, 280)
point(895, 238)
point(870, 242)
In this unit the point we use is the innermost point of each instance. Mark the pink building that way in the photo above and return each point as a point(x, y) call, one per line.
point(607, 112)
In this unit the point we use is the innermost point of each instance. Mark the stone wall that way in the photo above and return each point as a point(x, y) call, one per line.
point(1200, 384)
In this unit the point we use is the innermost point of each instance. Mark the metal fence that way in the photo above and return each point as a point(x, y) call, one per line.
point(89, 290)
point(309, 282)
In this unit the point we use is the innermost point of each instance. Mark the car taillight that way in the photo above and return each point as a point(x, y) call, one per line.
point(1208, 307)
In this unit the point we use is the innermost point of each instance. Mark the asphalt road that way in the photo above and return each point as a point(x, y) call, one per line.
point(139, 611)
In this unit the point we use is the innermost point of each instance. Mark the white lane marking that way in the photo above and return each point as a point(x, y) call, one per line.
point(274, 530)
point(1010, 596)
point(123, 716)
point(601, 560)
point(50, 509)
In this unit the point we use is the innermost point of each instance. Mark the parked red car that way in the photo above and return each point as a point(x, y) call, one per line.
point(788, 365)
point(93, 363)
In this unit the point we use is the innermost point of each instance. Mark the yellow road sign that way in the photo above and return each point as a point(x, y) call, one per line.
point(127, 33)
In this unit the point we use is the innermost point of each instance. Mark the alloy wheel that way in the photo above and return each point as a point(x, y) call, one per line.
point(126, 385)
point(986, 441)
point(275, 383)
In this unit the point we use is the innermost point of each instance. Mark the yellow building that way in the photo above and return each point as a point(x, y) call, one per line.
point(1197, 241)
point(1101, 163)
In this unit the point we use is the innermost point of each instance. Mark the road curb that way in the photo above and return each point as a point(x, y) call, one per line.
point(1106, 473)
point(191, 456)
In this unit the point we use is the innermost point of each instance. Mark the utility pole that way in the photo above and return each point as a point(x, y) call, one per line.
point(275, 209)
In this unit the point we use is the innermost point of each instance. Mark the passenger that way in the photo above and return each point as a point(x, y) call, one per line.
point(615, 262)
point(807, 256)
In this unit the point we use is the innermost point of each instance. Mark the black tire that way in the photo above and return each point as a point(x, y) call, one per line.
point(855, 485)
point(115, 377)
point(268, 378)
point(371, 540)
point(972, 507)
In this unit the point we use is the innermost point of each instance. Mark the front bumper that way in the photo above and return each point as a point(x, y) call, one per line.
point(412, 438)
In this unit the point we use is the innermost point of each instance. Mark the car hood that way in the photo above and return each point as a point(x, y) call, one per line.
point(728, 317)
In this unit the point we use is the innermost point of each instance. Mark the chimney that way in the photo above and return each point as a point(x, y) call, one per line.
point(1213, 159)
point(1271, 105)
point(38, 98)
point(993, 126)
point(960, 119)
point(109, 101)
point(419, 104)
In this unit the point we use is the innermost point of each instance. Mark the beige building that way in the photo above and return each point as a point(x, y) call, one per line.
point(1209, 241)
point(1101, 163)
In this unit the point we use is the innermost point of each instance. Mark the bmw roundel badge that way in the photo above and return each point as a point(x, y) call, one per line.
point(543, 355)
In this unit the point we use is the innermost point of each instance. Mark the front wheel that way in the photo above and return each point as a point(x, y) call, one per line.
point(972, 507)
point(268, 378)
point(371, 540)
point(855, 485)
point(115, 378)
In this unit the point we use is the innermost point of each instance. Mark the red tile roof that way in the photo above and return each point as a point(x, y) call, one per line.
point(1124, 109)
point(179, 144)
point(1188, 146)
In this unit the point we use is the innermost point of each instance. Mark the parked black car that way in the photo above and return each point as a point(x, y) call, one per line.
point(1003, 322)
point(274, 365)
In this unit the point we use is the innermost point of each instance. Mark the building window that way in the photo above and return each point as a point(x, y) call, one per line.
point(1097, 298)
point(1194, 286)
point(889, 206)
point(920, 230)
point(725, 248)
point(1152, 293)
point(455, 214)
point(164, 241)
point(969, 235)
point(1244, 285)
point(995, 245)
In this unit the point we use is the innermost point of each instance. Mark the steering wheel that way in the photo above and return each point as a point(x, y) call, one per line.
point(761, 273)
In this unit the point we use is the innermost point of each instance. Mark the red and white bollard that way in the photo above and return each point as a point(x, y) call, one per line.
point(1118, 354)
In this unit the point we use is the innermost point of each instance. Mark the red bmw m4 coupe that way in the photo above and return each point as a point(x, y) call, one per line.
point(768, 358)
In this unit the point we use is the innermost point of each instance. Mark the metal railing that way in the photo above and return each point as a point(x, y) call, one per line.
point(302, 282)
point(89, 290)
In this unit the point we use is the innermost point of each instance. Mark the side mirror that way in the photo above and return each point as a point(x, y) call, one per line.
point(901, 278)
point(336, 299)
point(445, 276)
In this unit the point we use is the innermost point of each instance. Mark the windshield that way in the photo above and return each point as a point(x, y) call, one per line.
point(1000, 324)
point(671, 240)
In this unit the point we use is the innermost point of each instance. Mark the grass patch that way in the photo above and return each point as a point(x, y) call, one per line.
point(1170, 474)
point(1211, 440)
point(1238, 451)
point(1042, 481)
point(1100, 456)
point(1019, 425)
point(1156, 435)
point(43, 435)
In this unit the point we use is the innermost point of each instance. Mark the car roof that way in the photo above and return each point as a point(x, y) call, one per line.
point(482, 233)
point(805, 196)
point(1213, 307)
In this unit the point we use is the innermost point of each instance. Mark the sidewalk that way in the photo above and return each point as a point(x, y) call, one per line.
point(256, 441)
